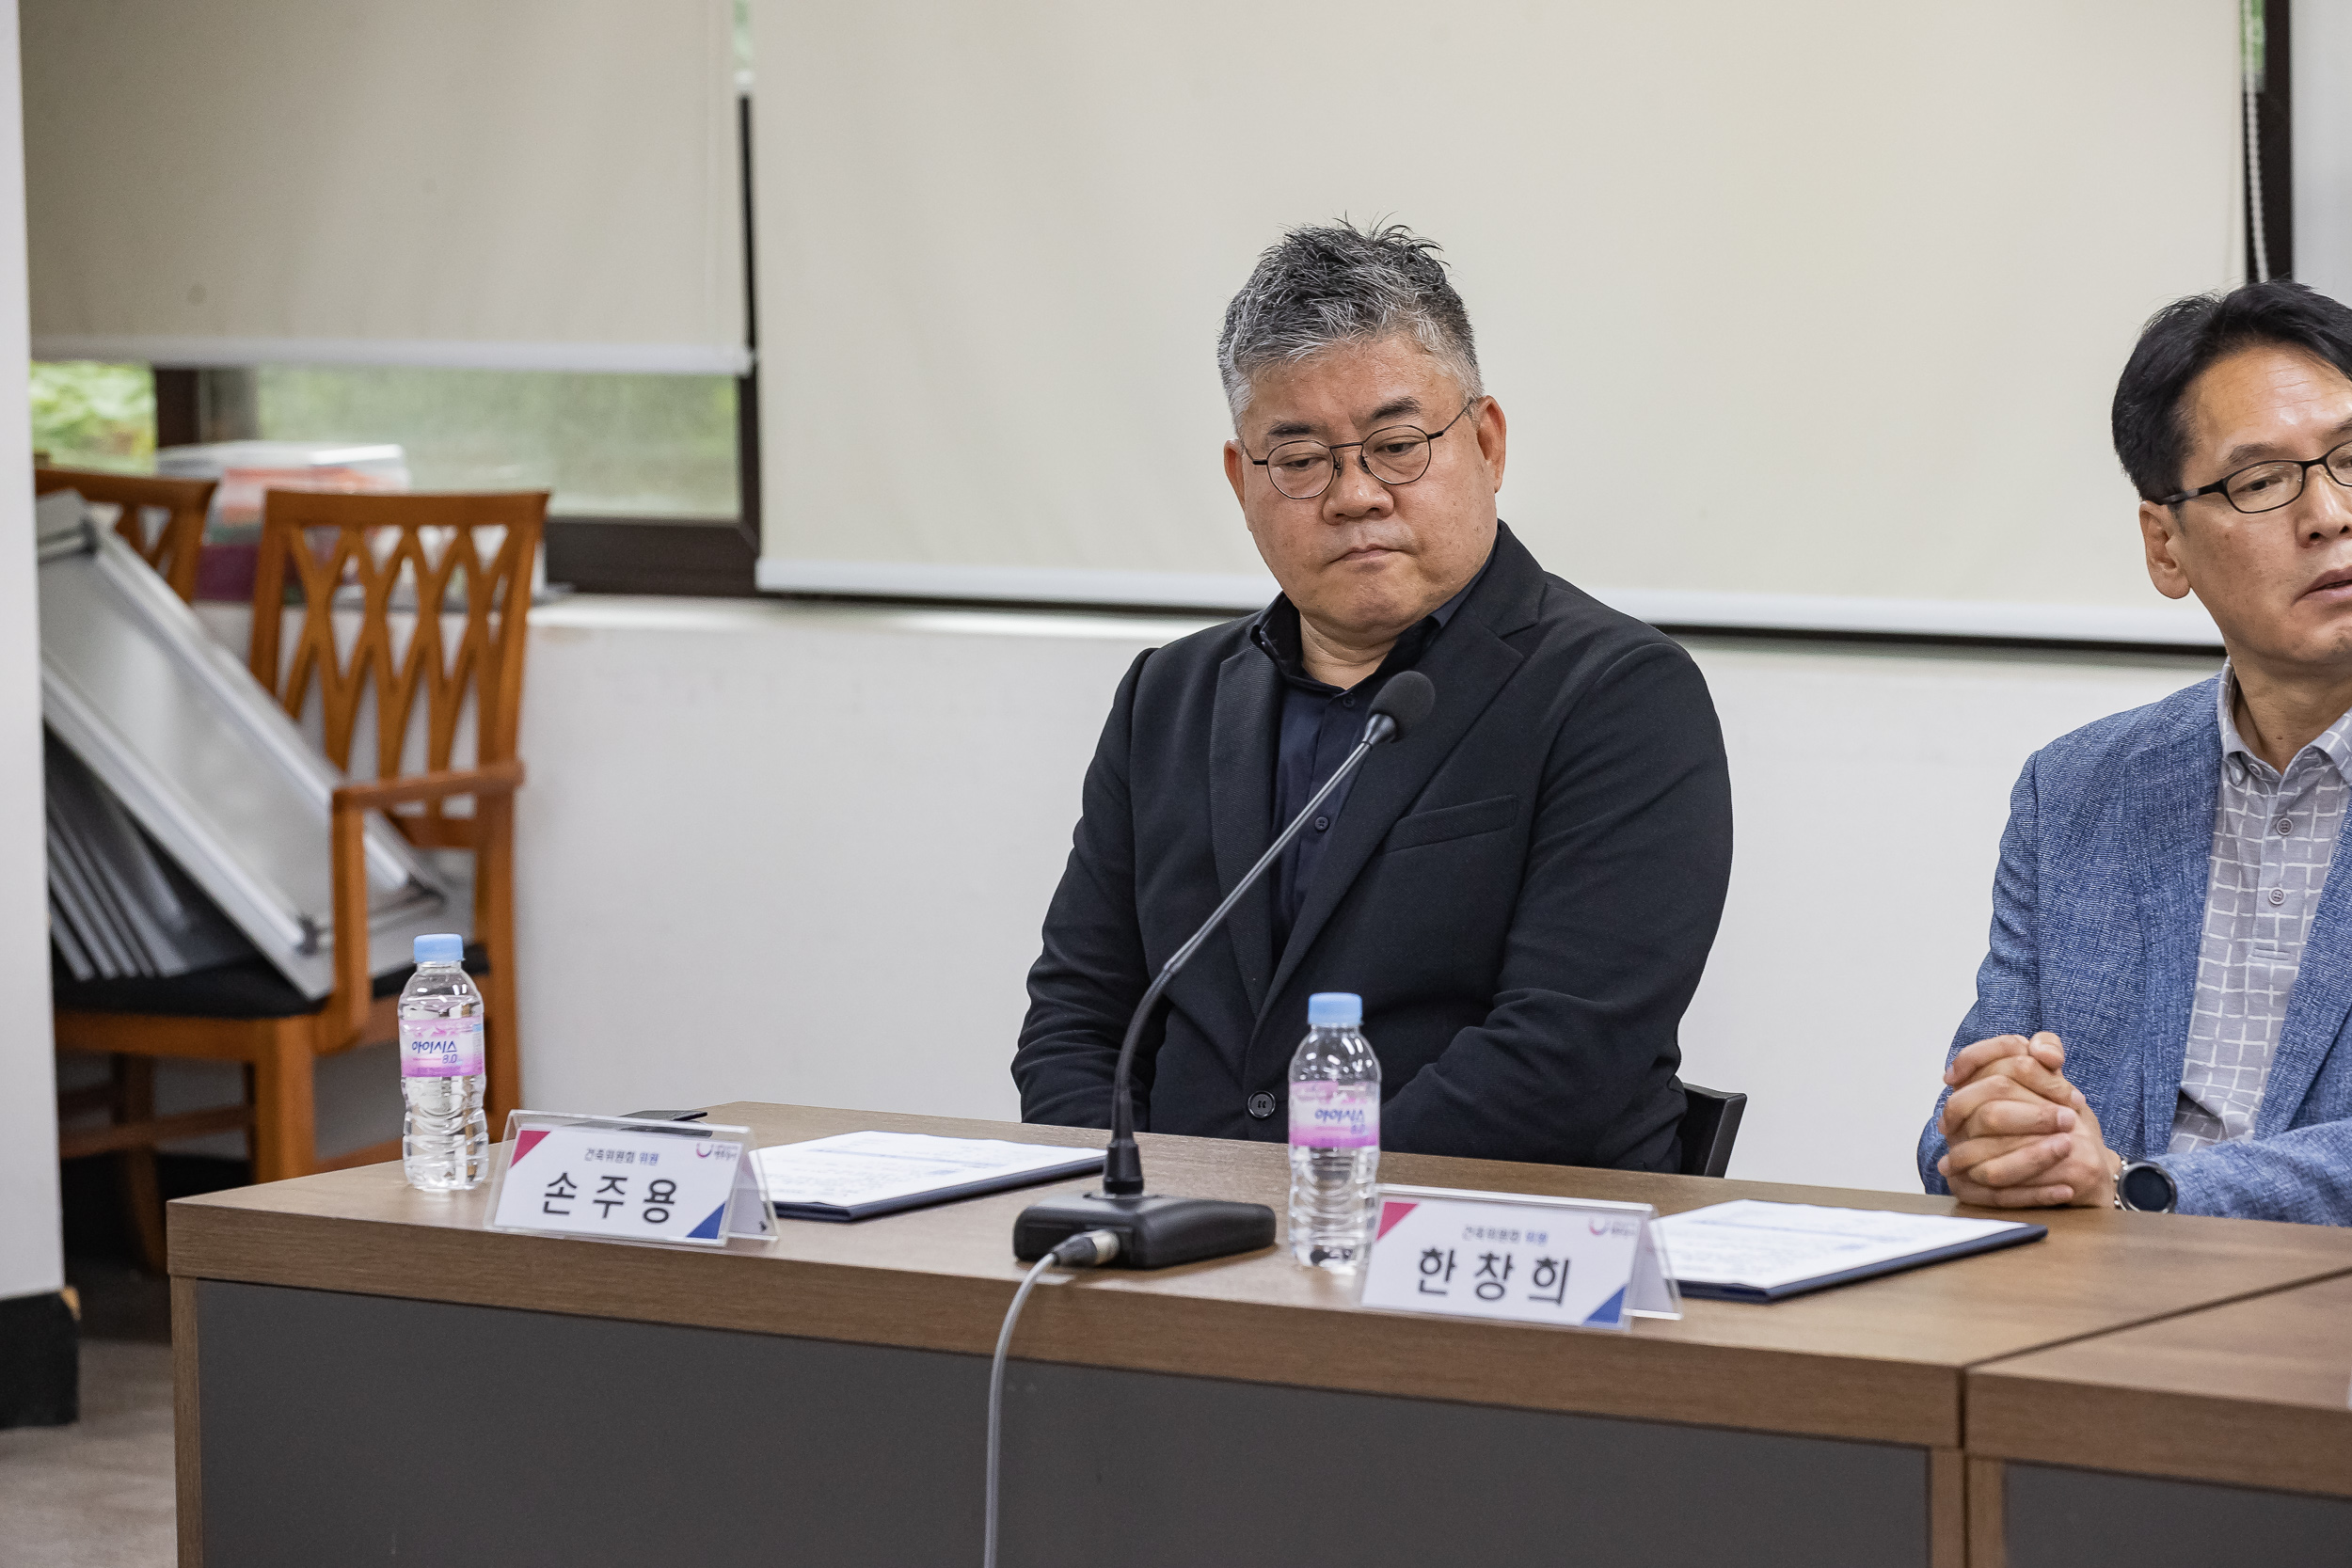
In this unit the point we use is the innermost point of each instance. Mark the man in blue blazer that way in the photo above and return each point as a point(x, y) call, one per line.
point(2160, 1022)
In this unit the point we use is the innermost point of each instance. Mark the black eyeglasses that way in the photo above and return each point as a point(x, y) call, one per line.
point(2267, 486)
point(1393, 454)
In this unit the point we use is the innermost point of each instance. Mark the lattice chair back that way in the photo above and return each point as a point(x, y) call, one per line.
point(168, 545)
point(413, 613)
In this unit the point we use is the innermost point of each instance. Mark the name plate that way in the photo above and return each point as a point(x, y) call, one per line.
point(1572, 1262)
point(619, 1179)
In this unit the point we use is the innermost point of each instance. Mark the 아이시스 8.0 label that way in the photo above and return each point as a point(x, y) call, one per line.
point(440, 1046)
point(1335, 1116)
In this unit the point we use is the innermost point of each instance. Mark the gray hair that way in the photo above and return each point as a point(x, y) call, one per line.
point(1317, 288)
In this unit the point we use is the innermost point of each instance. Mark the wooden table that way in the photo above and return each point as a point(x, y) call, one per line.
point(363, 1362)
point(2221, 1435)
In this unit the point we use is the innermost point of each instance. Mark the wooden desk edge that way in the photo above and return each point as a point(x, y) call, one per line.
point(187, 1450)
point(1625, 1377)
point(2023, 1418)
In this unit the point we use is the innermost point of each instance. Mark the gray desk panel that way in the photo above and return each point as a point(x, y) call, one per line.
point(2060, 1518)
point(346, 1429)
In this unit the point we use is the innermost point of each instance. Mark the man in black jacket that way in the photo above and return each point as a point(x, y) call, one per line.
point(1523, 889)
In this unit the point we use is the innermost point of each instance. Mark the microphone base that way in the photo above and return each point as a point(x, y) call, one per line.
point(1154, 1230)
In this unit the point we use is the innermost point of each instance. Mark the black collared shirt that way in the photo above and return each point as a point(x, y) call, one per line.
point(1321, 725)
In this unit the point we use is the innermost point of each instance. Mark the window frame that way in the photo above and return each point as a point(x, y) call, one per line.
point(678, 557)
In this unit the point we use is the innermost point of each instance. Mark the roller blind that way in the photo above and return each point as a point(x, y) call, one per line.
point(1860, 275)
point(527, 184)
point(2321, 112)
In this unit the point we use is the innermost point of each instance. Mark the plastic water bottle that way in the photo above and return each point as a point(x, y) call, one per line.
point(1335, 1134)
point(444, 1142)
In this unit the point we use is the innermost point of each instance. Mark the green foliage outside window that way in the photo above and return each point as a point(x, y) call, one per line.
point(647, 446)
point(643, 446)
point(94, 416)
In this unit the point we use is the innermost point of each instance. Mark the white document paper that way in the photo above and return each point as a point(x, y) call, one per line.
point(855, 1170)
point(1764, 1245)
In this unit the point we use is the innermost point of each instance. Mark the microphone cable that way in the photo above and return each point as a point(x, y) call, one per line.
point(1088, 1249)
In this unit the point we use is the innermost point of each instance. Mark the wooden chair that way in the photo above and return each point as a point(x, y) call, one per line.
point(172, 550)
point(366, 547)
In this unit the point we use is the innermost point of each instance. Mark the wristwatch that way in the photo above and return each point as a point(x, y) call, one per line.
point(2146, 1186)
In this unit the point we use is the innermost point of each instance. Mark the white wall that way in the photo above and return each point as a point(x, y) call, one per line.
point(799, 854)
point(796, 853)
point(1869, 791)
point(792, 853)
point(30, 1256)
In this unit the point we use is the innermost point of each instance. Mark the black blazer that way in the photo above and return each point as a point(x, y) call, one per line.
point(1523, 890)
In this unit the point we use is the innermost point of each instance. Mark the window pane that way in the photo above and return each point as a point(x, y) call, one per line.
point(642, 446)
point(93, 416)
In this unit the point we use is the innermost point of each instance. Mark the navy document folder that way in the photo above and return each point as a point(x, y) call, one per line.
point(1763, 1252)
point(855, 1176)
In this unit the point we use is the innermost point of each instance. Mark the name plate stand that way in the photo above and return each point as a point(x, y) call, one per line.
point(622, 1178)
point(1571, 1263)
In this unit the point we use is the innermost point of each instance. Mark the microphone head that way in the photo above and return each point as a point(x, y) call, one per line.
point(1406, 700)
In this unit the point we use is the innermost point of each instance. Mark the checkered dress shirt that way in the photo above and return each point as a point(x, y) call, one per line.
point(2273, 838)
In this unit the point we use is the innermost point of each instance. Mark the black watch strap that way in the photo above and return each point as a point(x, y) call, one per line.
point(2146, 1186)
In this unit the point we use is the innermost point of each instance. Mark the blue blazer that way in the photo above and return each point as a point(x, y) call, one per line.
point(2098, 911)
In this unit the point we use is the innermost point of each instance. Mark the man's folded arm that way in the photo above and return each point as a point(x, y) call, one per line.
point(2009, 980)
point(1628, 859)
point(1090, 973)
point(2304, 1176)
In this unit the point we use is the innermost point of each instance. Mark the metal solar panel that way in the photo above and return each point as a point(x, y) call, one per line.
point(117, 892)
point(210, 767)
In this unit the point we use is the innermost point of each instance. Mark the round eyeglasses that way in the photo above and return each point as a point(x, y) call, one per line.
point(2267, 486)
point(1393, 454)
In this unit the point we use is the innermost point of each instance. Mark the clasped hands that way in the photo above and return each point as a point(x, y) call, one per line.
point(2019, 1136)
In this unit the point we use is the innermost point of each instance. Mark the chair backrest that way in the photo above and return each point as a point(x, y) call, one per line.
point(398, 564)
point(185, 503)
point(1711, 1124)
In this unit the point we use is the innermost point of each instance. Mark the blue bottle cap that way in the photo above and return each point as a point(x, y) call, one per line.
point(446, 948)
point(1335, 1009)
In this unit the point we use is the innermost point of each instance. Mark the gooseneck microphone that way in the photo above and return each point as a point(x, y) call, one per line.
point(1403, 703)
point(1156, 1231)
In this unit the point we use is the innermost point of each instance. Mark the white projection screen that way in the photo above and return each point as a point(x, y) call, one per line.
point(1858, 276)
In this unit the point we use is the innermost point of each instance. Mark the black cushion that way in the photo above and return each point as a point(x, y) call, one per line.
point(249, 987)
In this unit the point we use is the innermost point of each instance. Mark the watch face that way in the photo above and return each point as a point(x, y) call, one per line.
point(2147, 1187)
